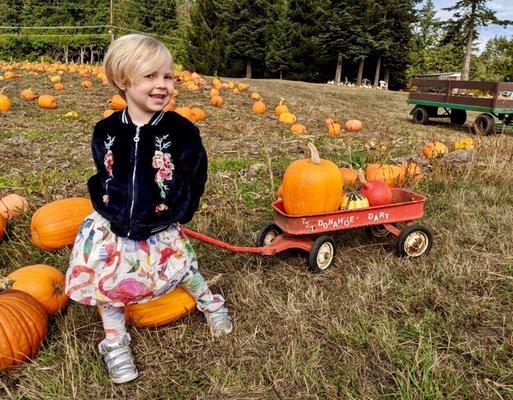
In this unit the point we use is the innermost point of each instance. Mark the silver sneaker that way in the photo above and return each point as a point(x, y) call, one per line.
point(219, 322)
point(118, 359)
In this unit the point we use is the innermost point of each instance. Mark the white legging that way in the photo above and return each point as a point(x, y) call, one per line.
point(113, 318)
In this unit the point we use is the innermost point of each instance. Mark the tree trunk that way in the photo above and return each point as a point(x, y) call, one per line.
point(338, 72)
point(248, 69)
point(92, 54)
point(66, 54)
point(386, 78)
point(360, 72)
point(376, 75)
point(82, 53)
point(468, 51)
point(281, 74)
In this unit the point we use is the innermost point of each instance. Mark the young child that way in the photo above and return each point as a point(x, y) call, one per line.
point(151, 172)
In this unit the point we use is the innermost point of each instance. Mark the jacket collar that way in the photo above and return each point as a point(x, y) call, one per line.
point(157, 117)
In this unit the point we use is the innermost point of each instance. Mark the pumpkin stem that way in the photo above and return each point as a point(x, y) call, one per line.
point(281, 101)
point(314, 154)
point(5, 283)
point(361, 176)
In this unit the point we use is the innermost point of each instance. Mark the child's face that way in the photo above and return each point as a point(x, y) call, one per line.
point(151, 92)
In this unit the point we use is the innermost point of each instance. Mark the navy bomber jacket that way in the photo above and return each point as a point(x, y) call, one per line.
point(148, 177)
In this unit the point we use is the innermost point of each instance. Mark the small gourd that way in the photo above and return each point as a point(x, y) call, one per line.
point(353, 201)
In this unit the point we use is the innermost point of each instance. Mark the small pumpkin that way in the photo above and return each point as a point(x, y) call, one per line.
point(298, 129)
point(11, 205)
point(287, 118)
point(434, 149)
point(349, 176)
point(59, 87)
point(56, 224)
point(5, 103)
point(255, 96)
point(185, 112)
point(353, 201)
point(161, 311)
point(117, 102)
point(216, 101)
point(334, 128)
point(55, 79)
point(281, 108)
point(311, 185)
point(353, 125)
point(170, 106)
point(87, 84)
point(467, 143)
point(213, 92)
point(24, 325)
point(43, 282)
point(47, 102)
point(28, 95)
point(198, 114)
point(259, 107)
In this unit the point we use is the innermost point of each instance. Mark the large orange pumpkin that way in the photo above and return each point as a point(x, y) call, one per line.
point(56, 224)
point(161, 311)
point(11, 205)
point(24, 324)
point(47, 102)
point(44, 283)
point(312, 185)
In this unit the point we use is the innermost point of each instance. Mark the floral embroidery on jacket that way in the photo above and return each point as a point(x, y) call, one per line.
point(108, 162)
point(163, 163)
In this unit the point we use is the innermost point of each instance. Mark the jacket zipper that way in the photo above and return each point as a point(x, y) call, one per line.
point(136, 140)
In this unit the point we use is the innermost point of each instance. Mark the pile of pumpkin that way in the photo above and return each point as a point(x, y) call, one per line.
point(316, 186)
point(30, 295)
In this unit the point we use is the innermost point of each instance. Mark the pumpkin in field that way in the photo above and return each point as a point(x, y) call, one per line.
point(11, 205)
point(353, 125)
point(334, 128)
point(412, 173)
point(349, 176)
point(259, 107)
point(353, 201)
point(465, 144)
point(185, 112)
point(287, 118)
point(198, 114)
point(47, 102)
point(281, 108)
point(55, 79)
point(170, 106)
point(434, 149)
point(311, 185)
point(117, 102)
point(255, 96)
point(213, 92)
point(59, 87)
point(392, 175)
point(5, 103)
point(87, 84)
point(44, 283)
point(161, 311)
point(298, 129)
point(28, 95)
point(24, 325)
point(56, 224)
point(3, 226)
point(216, 101)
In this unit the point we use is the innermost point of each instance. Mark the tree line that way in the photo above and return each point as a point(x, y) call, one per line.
point(360, 41)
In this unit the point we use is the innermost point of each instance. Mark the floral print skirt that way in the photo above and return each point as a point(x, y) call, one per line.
point(107, 269)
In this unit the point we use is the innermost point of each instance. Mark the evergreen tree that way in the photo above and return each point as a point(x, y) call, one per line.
point(469, 15)
point(280, 48)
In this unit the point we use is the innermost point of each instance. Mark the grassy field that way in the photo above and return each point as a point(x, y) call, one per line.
point(373, 326)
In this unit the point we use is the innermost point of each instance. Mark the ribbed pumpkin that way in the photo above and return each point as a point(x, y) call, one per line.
point(5, 103)
point(353, 125)
point(465, 144)
point(87, 84)
point(56, 224)
point(311, 185)
point(353, 201)
point(117, 102)
point(281, 108)
point(334, 128)
point(161, 311)
point(47, 102)
point(216, 101)
point(349, 176)
point(24, 324)
point(185, 112)
point(254, 95)
point(434, 149)
point(287, 118)
point(43, 282)
point(298, 129)
point(412, 173)
point(3, 226)
point(11, 205)
point(392, 175)
point(28, 95)
point(58, 87)
point(259, 107)
point(198, 114)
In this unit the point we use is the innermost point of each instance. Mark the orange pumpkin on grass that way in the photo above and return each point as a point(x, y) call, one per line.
point(5, 103)
point(47, 102)
point(349, 176)
point(353, 125)
point(28, 95)
point(117, 102)
point(11, 205)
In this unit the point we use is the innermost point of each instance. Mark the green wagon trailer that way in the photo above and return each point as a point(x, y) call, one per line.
point(455, 98)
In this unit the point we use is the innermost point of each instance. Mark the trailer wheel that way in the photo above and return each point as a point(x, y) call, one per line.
point(267, 234)
point(321, 254)
point(458, 117)
point(420, 116)
point(484, 124)
point(377, 231)
point(414, 241)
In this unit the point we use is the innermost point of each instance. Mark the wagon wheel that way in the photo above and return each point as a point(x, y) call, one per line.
point(377, 231)
point(414, 241)
point(267, 234)
point(484, 124)
point(420, 116)
point(322, 254)
point(458, 117)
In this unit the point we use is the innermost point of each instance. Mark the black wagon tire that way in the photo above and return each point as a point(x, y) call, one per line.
point(414, 241)
point(420, 116)
point(321, 254)
point(267, 234)
point(458, 117)
point(484, 124)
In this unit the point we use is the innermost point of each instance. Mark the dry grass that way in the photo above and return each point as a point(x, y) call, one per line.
point(372, 326)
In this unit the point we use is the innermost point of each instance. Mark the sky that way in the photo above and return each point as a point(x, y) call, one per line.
point(504, 10)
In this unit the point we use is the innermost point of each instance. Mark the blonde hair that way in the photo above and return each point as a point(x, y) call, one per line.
point(131, 57)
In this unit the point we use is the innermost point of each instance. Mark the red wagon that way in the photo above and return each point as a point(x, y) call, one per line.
point(310, 232)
